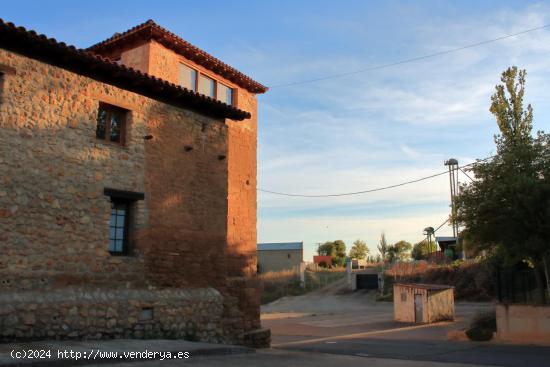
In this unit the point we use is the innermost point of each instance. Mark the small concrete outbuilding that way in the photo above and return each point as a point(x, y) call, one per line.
point(423, 303)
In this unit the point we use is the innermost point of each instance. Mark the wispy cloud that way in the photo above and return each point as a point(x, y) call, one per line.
point(385, 127)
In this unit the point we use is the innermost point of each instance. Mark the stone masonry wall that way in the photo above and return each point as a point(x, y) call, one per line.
point(192, 314)
point(53, 213)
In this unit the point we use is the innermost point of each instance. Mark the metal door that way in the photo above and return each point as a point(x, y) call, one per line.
point(367, 281)
point(418, 308)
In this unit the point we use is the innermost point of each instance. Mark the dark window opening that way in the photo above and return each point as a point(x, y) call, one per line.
point(111, 123)
point(1, 87)
point(122, 206)
point(118, 227)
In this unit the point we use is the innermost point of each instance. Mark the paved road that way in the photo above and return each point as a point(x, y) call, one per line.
point(337, 322)
point(434, 351)
point(279, 358)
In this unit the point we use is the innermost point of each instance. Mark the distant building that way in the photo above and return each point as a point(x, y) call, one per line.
point(279, 256)
point(323, 260)
point(446, 243)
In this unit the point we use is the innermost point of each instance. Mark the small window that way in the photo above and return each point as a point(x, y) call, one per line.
point(1, 87)
point(207, 86)
point(188, 77)
point(288, 256)
point(122, 203)
point(403, 297)
point(225, 94)
point(111, 123)
point(118, 227)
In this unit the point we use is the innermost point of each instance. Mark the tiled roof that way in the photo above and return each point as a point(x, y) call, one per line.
point(150, 30)
point(280, 246)
point(39, 47)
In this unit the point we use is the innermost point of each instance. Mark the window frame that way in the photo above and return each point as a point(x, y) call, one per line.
point(110, 110)
point(198, 75)
point(128, 198)
point(2, 83)
point(126, 231)
point(5, 70)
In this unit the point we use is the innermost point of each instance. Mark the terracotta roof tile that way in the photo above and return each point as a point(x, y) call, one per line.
point(39, 47)
point(151, 30)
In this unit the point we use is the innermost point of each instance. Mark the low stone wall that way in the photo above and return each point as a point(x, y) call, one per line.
point(523, 324)
point(192, 314)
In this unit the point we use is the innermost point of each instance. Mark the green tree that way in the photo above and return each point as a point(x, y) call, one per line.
point(326, 249)
point(383, 246)
point(359, 250)
point(399, 251)
point(423, 249)
point(506, 209)
point(335, 249)
point(340, 250)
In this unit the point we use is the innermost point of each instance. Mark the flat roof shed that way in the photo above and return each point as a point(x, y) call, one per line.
point(423, 303)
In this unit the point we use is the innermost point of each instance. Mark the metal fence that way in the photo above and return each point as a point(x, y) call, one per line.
point(520, 286)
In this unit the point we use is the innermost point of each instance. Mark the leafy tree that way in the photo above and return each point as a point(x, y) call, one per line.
point(383, 246)
point(506, 209)
point(359, 250)
point(399, 251)
point(340, 256)
point(423, 249)
point(326, 249)
point(335, 249)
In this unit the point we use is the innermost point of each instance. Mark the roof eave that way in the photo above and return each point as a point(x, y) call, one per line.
point(48, 50)
point(150, 30)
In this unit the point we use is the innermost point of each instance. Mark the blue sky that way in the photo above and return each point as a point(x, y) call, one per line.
point(351, 133)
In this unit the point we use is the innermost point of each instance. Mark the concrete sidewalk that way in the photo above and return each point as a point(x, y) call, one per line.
point(69, 353)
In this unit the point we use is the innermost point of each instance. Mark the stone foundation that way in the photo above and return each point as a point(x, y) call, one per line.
point(191, 314)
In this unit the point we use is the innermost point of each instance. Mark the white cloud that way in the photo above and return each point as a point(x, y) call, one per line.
point(385, 127)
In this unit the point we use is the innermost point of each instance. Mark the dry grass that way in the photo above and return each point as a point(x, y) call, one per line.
point(473, 280)
point(277, 284)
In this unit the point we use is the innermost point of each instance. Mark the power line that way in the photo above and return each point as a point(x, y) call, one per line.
point(405, 61)
point(467, 175)
point(369, 190)
point(442, 224)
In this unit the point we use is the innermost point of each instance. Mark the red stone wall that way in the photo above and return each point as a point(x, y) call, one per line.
point(240, 182)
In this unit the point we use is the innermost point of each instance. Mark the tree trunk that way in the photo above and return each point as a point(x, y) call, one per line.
point(540, 283)
point(545, 262)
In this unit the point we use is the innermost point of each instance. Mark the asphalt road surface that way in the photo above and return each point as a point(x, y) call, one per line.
point(434, 351)
point(334, 321)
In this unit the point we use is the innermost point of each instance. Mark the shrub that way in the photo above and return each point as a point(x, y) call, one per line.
point(482, 327)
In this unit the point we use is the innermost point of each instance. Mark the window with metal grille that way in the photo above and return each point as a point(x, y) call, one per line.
point(111, 123)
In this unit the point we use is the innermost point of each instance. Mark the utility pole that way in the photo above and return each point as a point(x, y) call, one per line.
point(452, 163)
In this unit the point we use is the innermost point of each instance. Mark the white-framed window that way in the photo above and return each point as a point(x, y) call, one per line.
point(188, 77)
point(207, 86)
point(225, 94)
point(197, 82)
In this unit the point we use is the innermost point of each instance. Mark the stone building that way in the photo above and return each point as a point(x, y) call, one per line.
point(127, 190)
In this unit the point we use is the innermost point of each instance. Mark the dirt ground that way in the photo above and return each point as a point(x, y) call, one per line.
point(335, 311)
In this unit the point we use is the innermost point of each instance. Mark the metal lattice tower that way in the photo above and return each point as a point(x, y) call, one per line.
point(453, 181)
